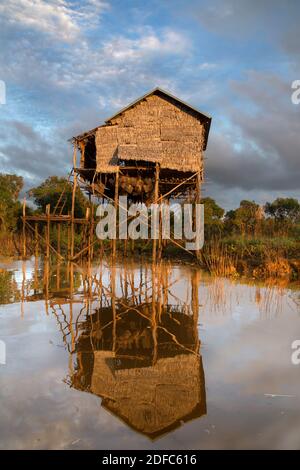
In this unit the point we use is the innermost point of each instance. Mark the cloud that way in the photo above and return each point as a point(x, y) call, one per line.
point(61, 19)
point(26, 152)
point(169, 42)
point(260, 149)
point(68, 65)
point(273, 20)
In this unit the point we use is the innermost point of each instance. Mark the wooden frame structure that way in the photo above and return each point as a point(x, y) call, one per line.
point(135, 324)
point(105, 170)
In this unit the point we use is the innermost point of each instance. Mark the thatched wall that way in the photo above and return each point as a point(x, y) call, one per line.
point(151, 399)
point(155, 129)
point(106, 149)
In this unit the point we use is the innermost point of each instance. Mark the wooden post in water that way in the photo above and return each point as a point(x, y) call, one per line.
point(36, 239)
point(113, 306)
point(153, 316)
point(195, 302)
point(88, 232)
point(198, 201)
point(156, 188)
point(71, 320)
point(23, 287)
point(116, 203)
point(48, 231)
point(73, 199)
point(68, 240)
point(46, 284)
point(92, 231)
point(24, 228)
point(58, 237)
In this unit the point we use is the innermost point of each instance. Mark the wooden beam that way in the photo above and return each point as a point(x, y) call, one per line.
point(156, 189)
point(48, 231)
point(116, 204)
point(24, 228)
point(73, 201)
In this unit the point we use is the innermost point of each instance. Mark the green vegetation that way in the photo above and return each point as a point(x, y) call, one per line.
point(251, 239)
point(257, 241)
point(49, 192)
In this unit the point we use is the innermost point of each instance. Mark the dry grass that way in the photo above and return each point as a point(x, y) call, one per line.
point(218, 260)
point(275, 265)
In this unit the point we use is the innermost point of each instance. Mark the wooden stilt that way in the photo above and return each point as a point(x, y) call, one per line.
point(48, 231)
point(23, 287)
point(113, 305)
point(73, 200)
point(88, 229)
point(24, 228)
point(46, 284)
point(71, 369)
point(198, 201)
point(44, 240)
point(72, 215)
point(195, 303)
point(116, 203)
point(91, 231)
point(58, 237)
point(154, 318)
point(156, 189)
point(36, 240)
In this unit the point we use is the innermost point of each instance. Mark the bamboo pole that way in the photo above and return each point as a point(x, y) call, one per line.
point(116, 203)
point(88, 234)
point(24, 227)
point(195, 304)
point(91, 232)
point(23, 287)
point(156, 188)
point(198, 201)
point(113, 305)
point(48, 231)
point(153, 316)
point(73, 199)
point(71, 369)
point(177, 186)
point(36, 240)
point(46, 284)
point(44, 240)
point(68, 240)
point(58, 238)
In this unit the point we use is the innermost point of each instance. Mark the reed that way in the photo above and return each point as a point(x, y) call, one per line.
point(218, 260)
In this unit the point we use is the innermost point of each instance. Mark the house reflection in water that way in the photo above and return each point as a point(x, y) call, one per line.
point(141, 356)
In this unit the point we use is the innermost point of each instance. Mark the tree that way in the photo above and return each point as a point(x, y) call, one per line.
point(10, 187)
point(245, 219)
point(213, 214)
point(284, 209)
point(50, 191)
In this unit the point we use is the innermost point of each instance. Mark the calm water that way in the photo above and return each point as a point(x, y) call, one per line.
point(135, 357)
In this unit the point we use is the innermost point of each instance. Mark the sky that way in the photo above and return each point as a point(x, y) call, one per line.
point(68, 65)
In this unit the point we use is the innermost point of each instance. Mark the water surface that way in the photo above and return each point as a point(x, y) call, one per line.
point(129, 357)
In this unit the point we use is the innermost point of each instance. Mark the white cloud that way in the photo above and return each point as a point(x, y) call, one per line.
point(169, 42)
point(59, 18)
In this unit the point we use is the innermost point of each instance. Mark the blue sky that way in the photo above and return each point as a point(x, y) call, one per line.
point(69, 64)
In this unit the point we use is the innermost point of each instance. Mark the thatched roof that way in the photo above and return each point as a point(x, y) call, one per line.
point(206, 117)
point(157, 90)
point(156, 128)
